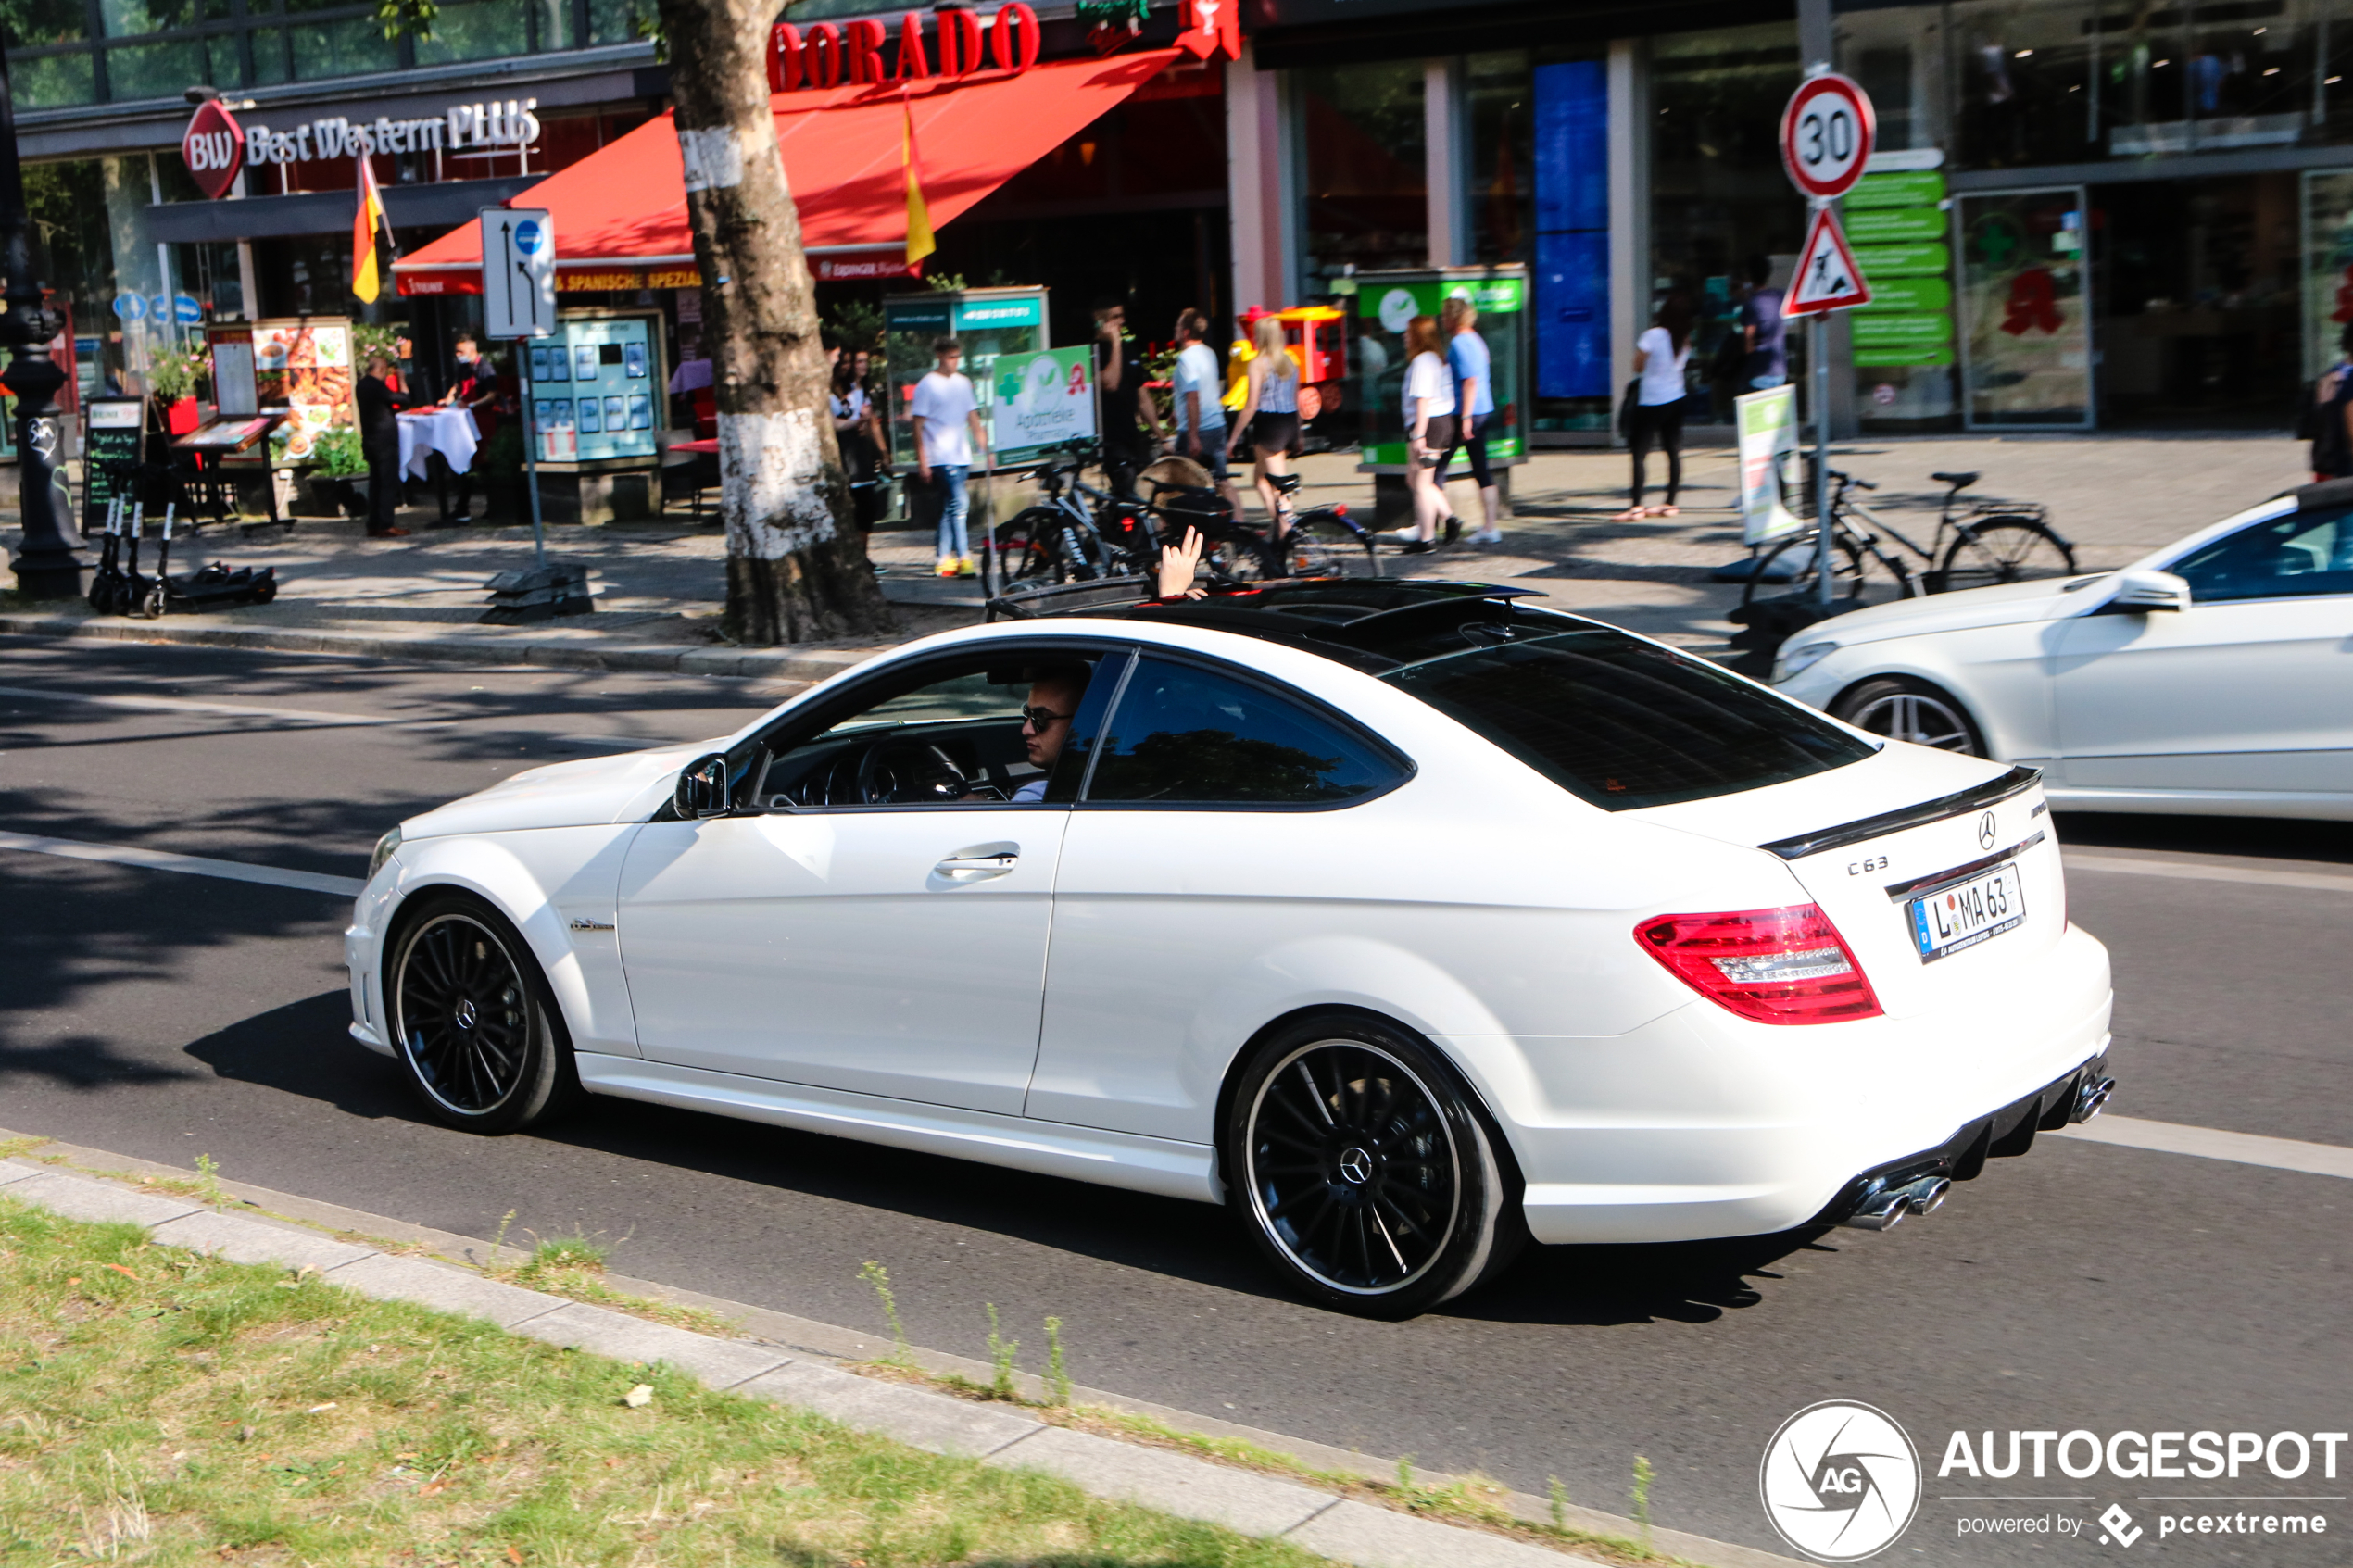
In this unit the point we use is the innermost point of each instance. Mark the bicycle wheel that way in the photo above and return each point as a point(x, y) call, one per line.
point(1241, 556)
point(1795, 553)
point(1320, 545)
point(1029, 548)
point(2003, 549)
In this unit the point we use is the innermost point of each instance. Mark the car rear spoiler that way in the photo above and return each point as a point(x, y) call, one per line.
point(1976, 798)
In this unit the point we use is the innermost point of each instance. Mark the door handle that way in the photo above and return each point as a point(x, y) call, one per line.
point(978, 863)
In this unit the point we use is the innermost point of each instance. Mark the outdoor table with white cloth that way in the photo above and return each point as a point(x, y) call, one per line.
point(450, 431)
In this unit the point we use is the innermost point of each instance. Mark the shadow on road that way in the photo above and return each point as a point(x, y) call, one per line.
point(2269, 837)
point(301, 1048)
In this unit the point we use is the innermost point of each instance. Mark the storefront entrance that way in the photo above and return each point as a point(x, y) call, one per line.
point(2195, 316)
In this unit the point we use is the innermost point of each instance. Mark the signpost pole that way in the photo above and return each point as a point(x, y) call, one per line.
point(1818, 357)
point(531, 455)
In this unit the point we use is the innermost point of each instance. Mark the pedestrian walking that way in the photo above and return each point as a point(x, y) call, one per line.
point(2330, 420)
point(1473, 370)
point(1269, 422)
point(947, 433)
point(1128, 409)
point(380, 444)
point(1430, 431)
point(1200, 417)
point(1660, 355)
point(1764, 329)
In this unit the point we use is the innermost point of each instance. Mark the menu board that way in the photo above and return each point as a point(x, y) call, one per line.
point(110, 433)
point(594, 387)
point(304, 366)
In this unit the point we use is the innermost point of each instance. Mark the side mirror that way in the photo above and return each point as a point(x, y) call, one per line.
point(2137, 593)
point(702, 788)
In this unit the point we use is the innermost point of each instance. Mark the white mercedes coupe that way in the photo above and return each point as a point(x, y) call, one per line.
point(1410, 921)
point(2215, 676)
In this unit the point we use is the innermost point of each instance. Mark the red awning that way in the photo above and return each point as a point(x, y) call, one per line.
point(619, 214)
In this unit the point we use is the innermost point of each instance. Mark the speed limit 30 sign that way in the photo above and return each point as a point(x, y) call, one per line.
point(1826, 135)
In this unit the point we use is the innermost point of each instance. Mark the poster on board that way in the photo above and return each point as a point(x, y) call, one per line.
point(1767, 423)
point(304, 366)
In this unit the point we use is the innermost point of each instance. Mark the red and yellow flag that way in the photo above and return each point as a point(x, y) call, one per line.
point(366, 278)
point(919, 241)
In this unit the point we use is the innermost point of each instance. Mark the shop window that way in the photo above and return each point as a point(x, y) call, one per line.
point(554, 21)
point(346, 48)
point(270, 65)
point(128, 18)
point(224, 59)
point(480, 30)
point(1365, 194)
point(34, 22)
point(1498, 104)
point(52, 81)
point(1719, 195)
point(615, 22)
point(154, 70)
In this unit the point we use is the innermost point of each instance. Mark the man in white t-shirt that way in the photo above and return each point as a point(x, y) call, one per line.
point(947, 431)
point(1201, 418)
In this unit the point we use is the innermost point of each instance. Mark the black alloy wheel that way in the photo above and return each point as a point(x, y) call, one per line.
point(473, 1021)
point(1364, 1173)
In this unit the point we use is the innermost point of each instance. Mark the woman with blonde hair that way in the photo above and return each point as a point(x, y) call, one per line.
point(1270, 413)
point(1429, 430)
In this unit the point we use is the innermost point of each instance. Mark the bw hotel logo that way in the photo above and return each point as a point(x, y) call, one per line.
point(1840, 1481)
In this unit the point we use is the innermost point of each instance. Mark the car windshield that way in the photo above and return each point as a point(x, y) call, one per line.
point(1613, 720)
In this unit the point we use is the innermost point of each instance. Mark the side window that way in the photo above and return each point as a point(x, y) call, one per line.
point(980, 729)
point(2292, 557)
point(1185, 735)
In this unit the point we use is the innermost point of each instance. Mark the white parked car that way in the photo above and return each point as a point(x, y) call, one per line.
point(2215, 676)
point(1410, 921)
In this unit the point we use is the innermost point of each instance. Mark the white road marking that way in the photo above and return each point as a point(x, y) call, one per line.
point(186, 704)
point(2322, 880)
point(192, 865)
point(2245, 1149)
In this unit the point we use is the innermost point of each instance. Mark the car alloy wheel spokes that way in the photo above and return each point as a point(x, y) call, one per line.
point(463, 1018)
point(1353, 1169)
point(1911, 716)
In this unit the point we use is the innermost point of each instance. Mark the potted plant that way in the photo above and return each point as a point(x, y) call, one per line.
point(338, 473)
point(173, 375)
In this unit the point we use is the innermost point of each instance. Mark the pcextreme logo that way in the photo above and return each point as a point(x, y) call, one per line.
point(1840, 1481)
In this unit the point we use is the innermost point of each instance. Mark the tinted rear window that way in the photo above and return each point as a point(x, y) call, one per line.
point(1618, 721)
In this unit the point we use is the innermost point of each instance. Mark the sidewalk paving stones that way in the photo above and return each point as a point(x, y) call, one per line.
point(1254, 1505)
point(79, 1199)
point(14, 1171)
point(938, 1423)
point(439, 1285)
point(1381, 1537)
point(718, 1363)
point(250, 1241)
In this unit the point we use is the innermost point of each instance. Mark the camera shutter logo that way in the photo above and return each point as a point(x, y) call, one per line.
point(1840, 1481)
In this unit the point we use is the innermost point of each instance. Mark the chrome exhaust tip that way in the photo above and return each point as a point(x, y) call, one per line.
point(1883, 1210)
point(2090, 1097)
point(1927, 1195)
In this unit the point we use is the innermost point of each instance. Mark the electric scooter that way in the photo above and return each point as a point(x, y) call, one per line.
point(206, 586)
point(106, 579)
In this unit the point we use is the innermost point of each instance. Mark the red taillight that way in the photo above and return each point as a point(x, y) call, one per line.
point(1776, 966)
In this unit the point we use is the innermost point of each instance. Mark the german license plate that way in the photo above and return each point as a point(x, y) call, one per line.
point(1977, 910)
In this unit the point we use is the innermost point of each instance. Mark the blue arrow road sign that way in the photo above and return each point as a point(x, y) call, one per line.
point(185, 310)
point(130, 307)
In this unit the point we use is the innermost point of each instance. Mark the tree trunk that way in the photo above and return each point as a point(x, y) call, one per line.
point(797, 566)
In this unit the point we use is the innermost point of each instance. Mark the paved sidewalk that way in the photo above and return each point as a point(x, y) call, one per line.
point(660, 588)
point(802, 1363)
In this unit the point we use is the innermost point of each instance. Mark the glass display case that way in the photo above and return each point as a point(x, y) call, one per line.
point(990, 322)
point(1385, 303)
point(597, 386)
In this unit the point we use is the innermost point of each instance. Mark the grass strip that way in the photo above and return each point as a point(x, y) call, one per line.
point(158, 1405)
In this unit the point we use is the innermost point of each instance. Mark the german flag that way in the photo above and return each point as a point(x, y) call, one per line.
point(919, 241)
point(366, 278)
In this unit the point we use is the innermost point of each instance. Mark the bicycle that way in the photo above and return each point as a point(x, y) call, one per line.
point(1320, 540)
point(1061, 539)
point(1993, 542)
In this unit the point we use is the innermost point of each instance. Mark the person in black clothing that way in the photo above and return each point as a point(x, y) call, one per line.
point(380, 442)
point(1127, 406)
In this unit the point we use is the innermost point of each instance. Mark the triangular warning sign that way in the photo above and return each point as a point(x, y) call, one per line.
point(1827, 277)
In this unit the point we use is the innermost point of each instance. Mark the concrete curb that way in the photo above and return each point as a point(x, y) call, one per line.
point(668, 659)
point(794, 1367)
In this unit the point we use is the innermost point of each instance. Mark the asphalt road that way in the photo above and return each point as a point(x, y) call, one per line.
point(2085, 1285)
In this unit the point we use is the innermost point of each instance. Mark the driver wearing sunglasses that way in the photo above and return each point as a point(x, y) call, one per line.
point(1054, 696)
